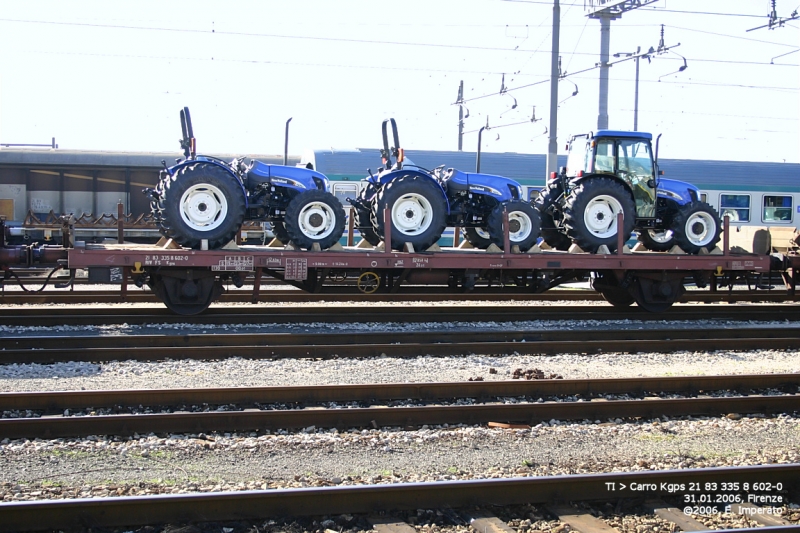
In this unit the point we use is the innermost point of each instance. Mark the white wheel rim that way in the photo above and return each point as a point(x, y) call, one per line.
point(661, 237)
point(700, 228)
point(482, 233)
point(519, 225)
point(317, 220)
point(600, 216)
point(203, 207)
point(412, 214)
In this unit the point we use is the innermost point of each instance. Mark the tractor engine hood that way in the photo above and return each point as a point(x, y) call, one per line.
point(294, 177)
point(498, 187)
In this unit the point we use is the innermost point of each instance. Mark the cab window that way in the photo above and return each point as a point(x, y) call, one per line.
point(633, 158)
point(604, 156)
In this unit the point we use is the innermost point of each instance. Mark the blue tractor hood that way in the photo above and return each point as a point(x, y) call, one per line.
point(498, 187)
point(295, 177)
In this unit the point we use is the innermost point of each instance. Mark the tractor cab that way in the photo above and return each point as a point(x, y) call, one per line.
point(623, 155)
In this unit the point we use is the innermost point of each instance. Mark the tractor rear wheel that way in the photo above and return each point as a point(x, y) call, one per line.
point(417, 211)
point(524, 224)
point(696, 226)
point(201, 202)
point(363, 221)
point(314, 217)
point(545, 203)
point(590, 215)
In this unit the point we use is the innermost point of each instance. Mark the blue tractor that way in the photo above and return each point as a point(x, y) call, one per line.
point(612, 172)
point(424, 202)
point(203, 198)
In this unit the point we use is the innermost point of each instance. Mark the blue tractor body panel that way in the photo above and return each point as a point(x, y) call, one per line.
point(292, 177)
point(498, 187)
point(678, 191)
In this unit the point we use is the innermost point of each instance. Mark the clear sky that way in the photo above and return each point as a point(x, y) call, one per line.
point(109, 75)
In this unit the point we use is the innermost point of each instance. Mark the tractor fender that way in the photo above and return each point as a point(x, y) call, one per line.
point(173, 170)
point(297, 178)
point(679, 192)
point(386, 177)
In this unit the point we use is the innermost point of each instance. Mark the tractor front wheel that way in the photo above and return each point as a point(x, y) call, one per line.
point(478, 237)
point(524, 224)
point(314, 217)
point(696, 226)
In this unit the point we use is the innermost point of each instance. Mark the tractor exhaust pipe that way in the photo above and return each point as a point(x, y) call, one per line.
point(478, 157)
point(286, 143)
point(188, 143)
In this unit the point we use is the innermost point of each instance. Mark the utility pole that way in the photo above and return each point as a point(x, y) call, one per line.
point(606, 11)
point(605, 46)
point(460, 116)
point(552, 145)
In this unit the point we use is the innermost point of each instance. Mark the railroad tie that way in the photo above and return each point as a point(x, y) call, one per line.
point(389, 524)
point(583, 522)
point(762, 515)
point(489, 524)
point(663, 510)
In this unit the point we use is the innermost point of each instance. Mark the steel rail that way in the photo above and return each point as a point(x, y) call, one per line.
point(253, 505)
point(182, 340)
point(395, 344)
point(58, 401)
point(16, 316)
point(282, 295)
point(50, 427)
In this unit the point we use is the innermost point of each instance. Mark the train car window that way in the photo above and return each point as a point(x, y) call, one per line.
point(704, 197)
point(343, 191)
point(777, 209)
point(533, 194)
point(735, 206)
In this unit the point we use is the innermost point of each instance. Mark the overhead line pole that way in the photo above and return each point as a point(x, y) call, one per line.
point(552, 145)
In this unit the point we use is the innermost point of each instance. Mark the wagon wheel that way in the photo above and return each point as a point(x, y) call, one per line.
point(368, 282)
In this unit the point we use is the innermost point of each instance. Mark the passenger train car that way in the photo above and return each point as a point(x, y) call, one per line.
point(38, 185)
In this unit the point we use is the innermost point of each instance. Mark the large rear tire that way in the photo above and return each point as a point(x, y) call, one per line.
point(550, 233)
point(363, 220)
point(201, 202)
point(696, 226)
point(418, 212)
point(314, 217)
point(590, 214)
point(524, 224)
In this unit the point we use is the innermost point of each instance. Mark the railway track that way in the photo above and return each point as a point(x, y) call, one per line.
point(390, 405)
point(53, 349)
point(396, 312)
point(464, 501)
point(135, 295)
